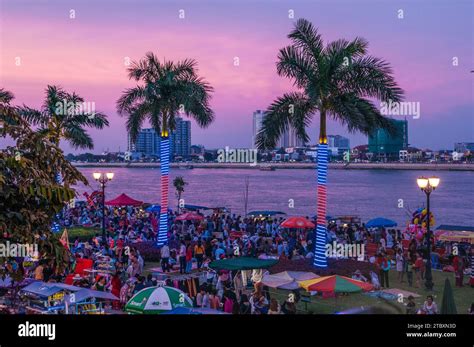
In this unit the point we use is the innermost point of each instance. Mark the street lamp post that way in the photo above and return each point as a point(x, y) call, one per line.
point(427, 185)
point(103, 179)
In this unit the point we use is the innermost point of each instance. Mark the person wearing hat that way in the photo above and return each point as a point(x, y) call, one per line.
point(358, 276)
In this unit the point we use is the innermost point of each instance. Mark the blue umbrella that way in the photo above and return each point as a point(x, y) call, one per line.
point(155, 208)
point(380, 222)
point(193, 310)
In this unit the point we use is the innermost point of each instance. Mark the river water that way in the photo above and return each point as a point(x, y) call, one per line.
point(366, 193)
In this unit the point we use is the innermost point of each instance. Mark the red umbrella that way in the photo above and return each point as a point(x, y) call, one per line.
point(336, 284)
point(124, 200)
point(190, 216)
point(297, 223)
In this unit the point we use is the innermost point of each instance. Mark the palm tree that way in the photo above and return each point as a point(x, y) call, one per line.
point(179, 184)
point(338, 80)
point(167, 88)
point(63, 117)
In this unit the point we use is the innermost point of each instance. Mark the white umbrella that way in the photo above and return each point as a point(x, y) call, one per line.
point(287, 279)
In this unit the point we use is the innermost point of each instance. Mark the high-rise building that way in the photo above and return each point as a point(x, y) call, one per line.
point(338, 141)
point(289, 139)
point(148, 141)
point(338, 144)
point(181, 138)
point(256, 125)
point(387, 147)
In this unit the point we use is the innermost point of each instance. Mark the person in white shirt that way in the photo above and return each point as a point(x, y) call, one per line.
point(165, 258)
point(389, 240)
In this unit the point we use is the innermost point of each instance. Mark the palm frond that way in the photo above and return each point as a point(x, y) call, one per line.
point(194, 93)
point(5, 96)
point(96, 120)
point(306, 37)
point(78, 137)
point(129, 98)
point(291, 109)
point(359, 114)
point(292, 63)
point(135, 118)
point(33, 116)
point(185, 68)
point(371, 77)
point(55, 96)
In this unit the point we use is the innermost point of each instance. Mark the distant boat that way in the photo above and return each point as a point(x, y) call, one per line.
point(267, 168)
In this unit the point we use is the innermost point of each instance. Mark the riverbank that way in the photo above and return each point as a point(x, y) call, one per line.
point(335, 166)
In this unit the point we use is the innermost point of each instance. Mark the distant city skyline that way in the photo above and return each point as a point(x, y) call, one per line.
point(236, 47)
point(148, 141)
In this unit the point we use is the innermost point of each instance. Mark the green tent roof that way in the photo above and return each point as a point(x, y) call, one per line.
point(242, 263)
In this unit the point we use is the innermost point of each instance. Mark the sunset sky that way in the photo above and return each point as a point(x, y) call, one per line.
point(86, 54)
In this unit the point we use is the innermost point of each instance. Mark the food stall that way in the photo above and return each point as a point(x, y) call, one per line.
point(88, 301)
point(55, 298)
point(46, 298)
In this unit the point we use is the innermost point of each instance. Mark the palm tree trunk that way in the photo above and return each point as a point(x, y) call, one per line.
point(164, 171)
point(320, 260)
point(55, 226)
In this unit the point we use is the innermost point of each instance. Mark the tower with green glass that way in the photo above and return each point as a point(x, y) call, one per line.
point(386, 147)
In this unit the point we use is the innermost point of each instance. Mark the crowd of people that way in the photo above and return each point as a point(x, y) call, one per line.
point(194, 244)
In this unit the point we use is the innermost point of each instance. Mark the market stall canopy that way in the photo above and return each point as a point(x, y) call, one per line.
point(157, 300)
point(445, 227)
point(190, 216)
point(264, 213)
point(124, 200)
point(297, 223)
point(84, 294)
point(287, 279)
point(380, 222)
point(455, 233)
point(48, 288)
point(155, 208)
point(335, 284)
point(242, 263)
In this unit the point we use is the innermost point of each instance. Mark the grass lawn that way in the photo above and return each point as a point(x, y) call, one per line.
point(462, 296)
point(83, 233)
point(149, 265)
